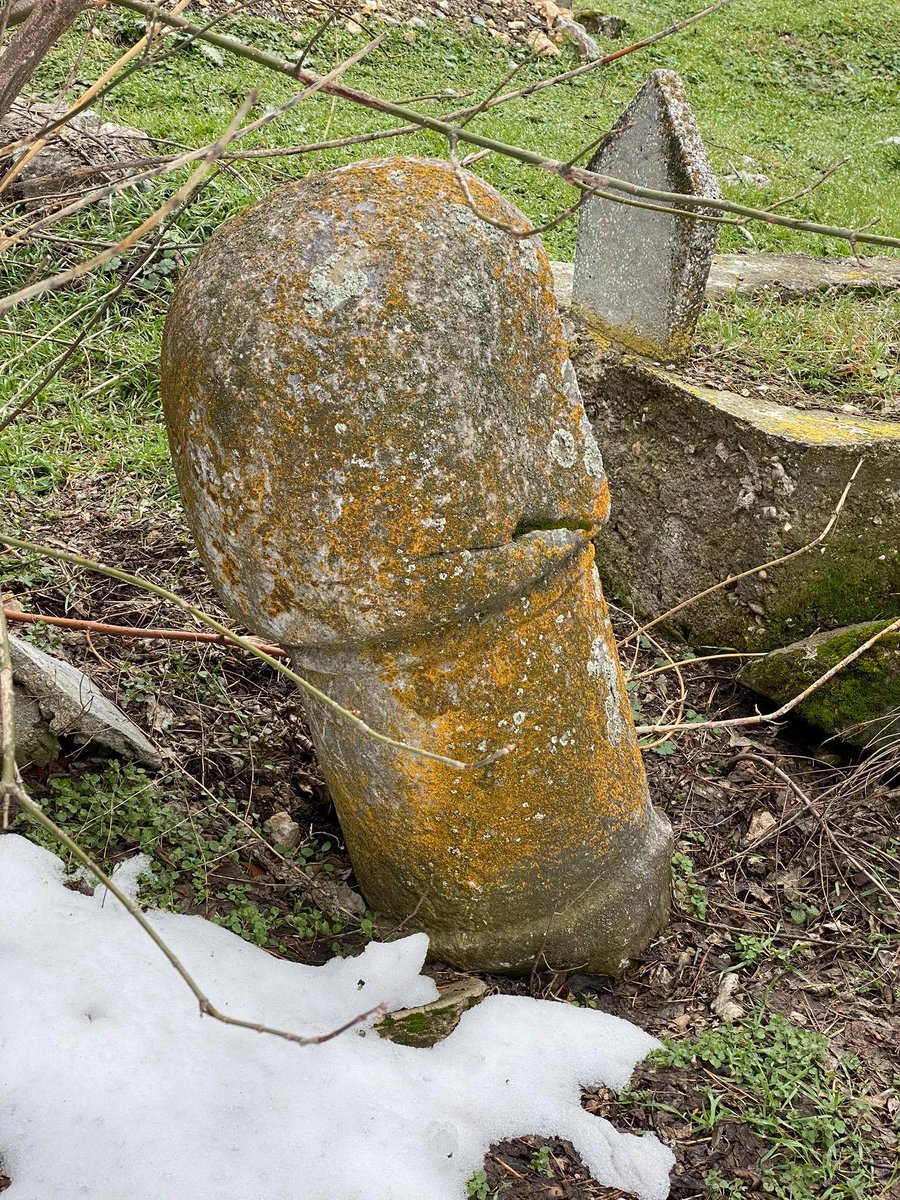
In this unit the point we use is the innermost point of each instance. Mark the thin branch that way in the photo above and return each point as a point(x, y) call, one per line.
point(207, 1008)
point(760, 718)
point(811, 187)
point(133, 631)
point(688, 662)
point(766, 566)
point(613, 56)
point(172, 163)
point(8, 779)
point(156, 218)
point(251, 647)
point(576, 176)
point(19, 406)
point(836, 841)
point(44, 26)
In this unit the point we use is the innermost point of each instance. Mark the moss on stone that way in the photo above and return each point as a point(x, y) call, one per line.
point(861, 703)
point(431, 1023)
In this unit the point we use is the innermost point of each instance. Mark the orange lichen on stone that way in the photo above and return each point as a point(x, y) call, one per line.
point(387, 467)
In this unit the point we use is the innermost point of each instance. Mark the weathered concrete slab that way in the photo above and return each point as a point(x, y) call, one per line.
point(793, 276)
point(387, 466)
point(55, 700)
point(788, 276)
point(708, 484)
point(641, 274)
point(861, 705)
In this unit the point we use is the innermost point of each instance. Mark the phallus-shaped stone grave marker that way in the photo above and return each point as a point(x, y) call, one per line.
point(387, 468)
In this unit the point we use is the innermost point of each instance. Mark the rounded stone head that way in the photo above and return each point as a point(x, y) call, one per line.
point(372, 413)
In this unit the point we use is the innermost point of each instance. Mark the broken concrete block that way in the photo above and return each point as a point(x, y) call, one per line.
point(86, 140)
point(387, 467)
point(55, 700)
point(710, 484)
point(432, 1022)
point(860, 705)
point(640, 275)
point(793, 276)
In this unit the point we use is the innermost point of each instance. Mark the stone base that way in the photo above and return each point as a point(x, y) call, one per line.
point(612, 922)
point(707, 484)
point(551, 855)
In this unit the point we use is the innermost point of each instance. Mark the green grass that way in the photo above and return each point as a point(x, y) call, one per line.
point(774, 1079)
point(795, 91)
point(842, 350)
point(119, 810)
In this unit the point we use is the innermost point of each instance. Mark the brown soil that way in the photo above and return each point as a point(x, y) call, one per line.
point(839, 985)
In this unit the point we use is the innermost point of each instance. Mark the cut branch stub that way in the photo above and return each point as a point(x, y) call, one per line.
point(387, 468)
point(641, 274)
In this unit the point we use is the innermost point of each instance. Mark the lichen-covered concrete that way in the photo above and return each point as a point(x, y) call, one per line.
point(709, 484)
point(387, 467)
point(638, 273)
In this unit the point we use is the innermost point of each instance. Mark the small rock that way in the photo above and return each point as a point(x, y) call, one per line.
point(760, 824)
point(541, 44)
point(749, 178)
point(348, 900)
point(726, 1008)
point(55, 700)
point(430, 1023)
point(572, 31)
point(284, 829)
point(86, 140)
point(602, 23)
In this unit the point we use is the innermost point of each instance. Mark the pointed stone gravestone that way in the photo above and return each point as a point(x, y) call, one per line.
point(387, 467)
point(641, 274)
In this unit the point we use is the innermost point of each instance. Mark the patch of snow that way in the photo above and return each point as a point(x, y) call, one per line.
point(112, 1086)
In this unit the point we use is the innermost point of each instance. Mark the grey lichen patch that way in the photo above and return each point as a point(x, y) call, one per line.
point(336, 281)
point(602, 665)
point(593, 460)
point(562, 448)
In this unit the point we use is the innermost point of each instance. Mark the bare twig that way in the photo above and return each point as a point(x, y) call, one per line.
point(836, 841)
point(207, 1008)
point(43, 27)
point(133, 631)
point(576, 176)
point(170, 163)
point(760, 718)
point(8, 777)
point(21, 404)
point(690, 662)
point(156, 218)
point(251, 647)
point(811, 187)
